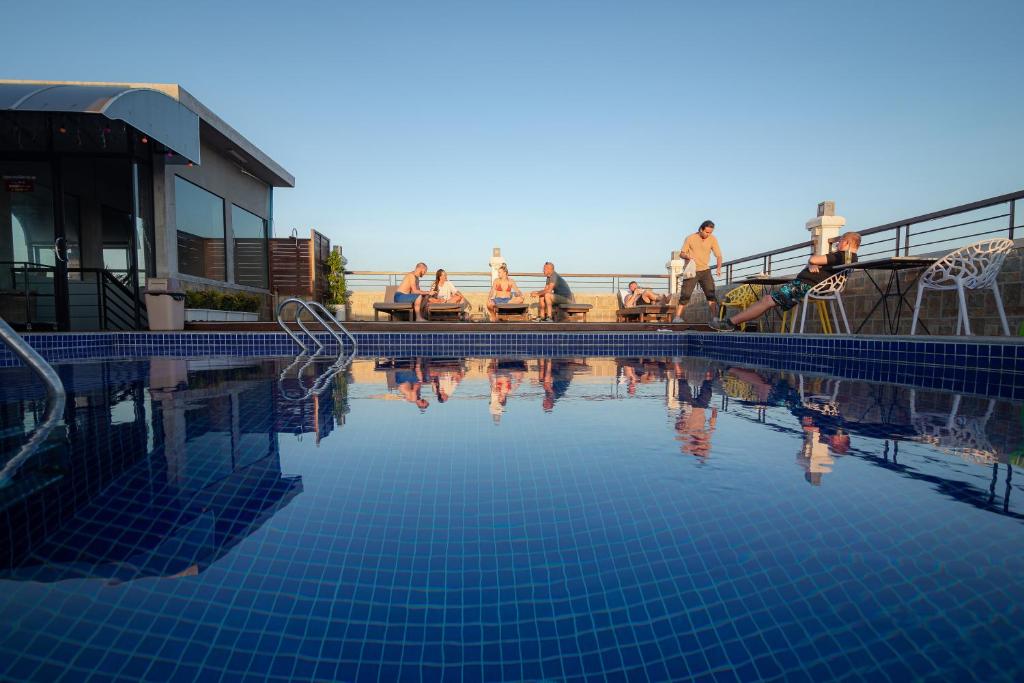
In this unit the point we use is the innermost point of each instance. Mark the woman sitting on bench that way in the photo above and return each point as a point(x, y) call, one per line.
point(504, 290)
point(443, 291)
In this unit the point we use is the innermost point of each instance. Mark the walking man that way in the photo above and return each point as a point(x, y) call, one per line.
point(697, 248)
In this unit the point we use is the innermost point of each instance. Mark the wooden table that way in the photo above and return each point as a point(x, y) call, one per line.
point(894, 288)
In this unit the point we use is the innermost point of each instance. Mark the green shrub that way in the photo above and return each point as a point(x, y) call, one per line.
point(337, 289)
point(222, 301)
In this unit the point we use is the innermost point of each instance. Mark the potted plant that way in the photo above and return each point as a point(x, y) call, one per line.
point(204, 305)
point(337, 289)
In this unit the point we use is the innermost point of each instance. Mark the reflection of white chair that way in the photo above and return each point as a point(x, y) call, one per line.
point(962, 435)
point(972, 267)
point(824, 403)
point(830, 290)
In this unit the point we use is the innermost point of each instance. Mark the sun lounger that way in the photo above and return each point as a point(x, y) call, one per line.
point(446, 311)
point(658, 313)
point(402, 311)
point(572, 312)
point(510, 312)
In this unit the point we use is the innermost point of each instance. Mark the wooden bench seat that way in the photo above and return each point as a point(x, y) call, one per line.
point(511, 312)
point(647, 313)
point(395, 311)
point(572, 312)
point(446, 311)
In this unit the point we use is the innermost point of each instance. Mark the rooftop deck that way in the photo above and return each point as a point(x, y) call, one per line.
point(366, 326)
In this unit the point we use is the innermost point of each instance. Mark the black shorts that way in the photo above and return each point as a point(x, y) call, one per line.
point(707, 284)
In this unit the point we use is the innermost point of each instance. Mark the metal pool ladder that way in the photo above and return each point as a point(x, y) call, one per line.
point(54, 399)
point(311, 307)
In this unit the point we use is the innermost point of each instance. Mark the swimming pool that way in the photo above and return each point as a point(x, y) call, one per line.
point(507, 518)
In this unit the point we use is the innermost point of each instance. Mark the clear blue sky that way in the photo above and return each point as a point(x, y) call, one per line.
point(595, 134)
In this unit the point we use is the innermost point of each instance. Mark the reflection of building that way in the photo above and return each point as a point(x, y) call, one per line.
point(103, 185)
point(160, 487)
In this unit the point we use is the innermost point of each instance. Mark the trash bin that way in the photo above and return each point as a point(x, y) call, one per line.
point(165, 304)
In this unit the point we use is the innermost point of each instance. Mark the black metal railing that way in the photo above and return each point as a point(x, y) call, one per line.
point(918, 235)
point(480, 281)
point(97, 298)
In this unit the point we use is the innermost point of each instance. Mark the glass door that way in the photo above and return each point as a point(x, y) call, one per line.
point(33, 275)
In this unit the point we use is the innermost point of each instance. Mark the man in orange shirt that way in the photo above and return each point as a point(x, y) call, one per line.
point(697, 248)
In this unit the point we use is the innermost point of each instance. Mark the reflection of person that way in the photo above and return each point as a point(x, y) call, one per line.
point(820, 444)
point(504, 290)
point(409, 290)
point(634, 372)
point(698, 248)
point(694, 426)
point(443, 291)
point(554, 375)
point(410, 381)
point(504, 377)
point(445, 379)
point(819, 269)
point(556, 291)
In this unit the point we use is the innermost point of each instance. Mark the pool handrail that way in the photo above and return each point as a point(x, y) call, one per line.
point(55, 397)
point(310, 307)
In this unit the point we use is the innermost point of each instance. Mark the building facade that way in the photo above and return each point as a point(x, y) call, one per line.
point(105, 185)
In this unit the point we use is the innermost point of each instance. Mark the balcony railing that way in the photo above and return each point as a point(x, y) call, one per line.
point(480, 281)
point(936, 231)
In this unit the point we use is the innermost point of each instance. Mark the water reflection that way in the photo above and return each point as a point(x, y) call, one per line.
point(831, 418)
point(166, 465)
point(504, 377)
point(697, 418)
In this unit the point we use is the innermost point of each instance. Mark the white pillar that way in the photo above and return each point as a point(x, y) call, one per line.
point(824, 227)
point(675, 271)
point(495, 261)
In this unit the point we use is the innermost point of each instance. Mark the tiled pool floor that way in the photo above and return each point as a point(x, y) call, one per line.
point(508, 519)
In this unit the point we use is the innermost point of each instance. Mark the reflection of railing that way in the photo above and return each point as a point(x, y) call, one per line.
point(320, 383)
point(480, 281)
point(917, 235)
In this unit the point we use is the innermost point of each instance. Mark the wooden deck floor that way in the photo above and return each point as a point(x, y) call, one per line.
point(361, 326)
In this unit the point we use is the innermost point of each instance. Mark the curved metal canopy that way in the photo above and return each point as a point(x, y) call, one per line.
point(149, 111)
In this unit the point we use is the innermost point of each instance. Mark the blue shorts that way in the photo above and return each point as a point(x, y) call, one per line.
point(406, 377)
point(403, 298)
point(790, 294)
point(502, 299)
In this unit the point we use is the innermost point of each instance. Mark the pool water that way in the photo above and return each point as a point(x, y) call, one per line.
point(506, 519)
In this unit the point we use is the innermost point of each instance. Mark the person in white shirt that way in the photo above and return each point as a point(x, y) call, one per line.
point(444, 292)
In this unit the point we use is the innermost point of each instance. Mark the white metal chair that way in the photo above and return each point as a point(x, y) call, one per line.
point(830, 290)
point(972, 267)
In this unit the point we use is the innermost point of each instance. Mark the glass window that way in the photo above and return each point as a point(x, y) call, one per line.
point(200, 223)
point(250, 233)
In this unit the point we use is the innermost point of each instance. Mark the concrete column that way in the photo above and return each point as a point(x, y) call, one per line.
point(824, 227)
point(496, 260)
point(675, 271)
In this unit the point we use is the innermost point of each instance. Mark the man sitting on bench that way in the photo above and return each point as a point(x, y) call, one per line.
point(556, 291)
point(409, 291)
